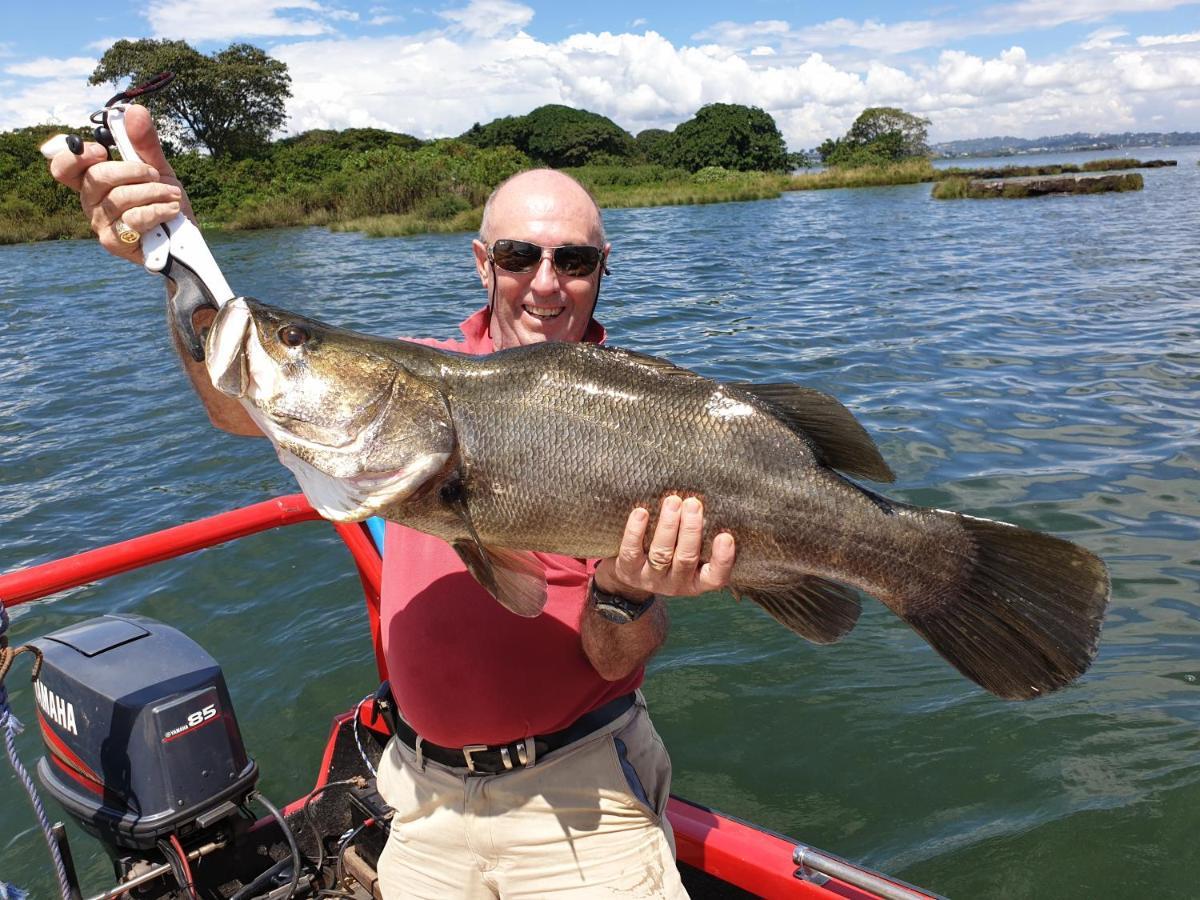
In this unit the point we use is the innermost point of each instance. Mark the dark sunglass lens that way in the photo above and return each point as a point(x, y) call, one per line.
point(576, 261)
point(516, 256)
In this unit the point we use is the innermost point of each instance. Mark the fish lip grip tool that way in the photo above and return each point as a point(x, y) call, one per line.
point(176, 249)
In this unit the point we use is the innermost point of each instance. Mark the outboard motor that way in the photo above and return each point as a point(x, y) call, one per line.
point(144, 751)
point(139, 730)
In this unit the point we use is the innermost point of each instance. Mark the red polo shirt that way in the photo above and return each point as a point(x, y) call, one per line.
point(463, 669)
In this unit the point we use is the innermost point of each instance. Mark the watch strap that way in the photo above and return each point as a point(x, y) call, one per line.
point(616, 608)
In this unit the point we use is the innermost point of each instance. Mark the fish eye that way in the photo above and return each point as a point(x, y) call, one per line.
point(294, 335)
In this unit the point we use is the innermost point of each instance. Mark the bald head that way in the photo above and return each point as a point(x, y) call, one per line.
point(545, 209)
point(537, 194)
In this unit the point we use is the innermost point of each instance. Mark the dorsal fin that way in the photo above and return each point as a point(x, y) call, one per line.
point(842, 442)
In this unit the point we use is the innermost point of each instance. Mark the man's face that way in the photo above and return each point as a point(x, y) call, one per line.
point(542, 305)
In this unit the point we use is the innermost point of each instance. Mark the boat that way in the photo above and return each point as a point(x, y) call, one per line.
point(325, 843)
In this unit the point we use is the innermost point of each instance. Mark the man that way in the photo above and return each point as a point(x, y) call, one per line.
point(526, 763)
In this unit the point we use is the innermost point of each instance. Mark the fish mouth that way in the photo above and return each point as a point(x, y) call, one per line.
point(226, 349)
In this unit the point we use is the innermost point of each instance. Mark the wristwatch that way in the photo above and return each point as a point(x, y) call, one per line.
point(616, 608)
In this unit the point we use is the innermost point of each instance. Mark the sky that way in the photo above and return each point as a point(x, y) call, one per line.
point(1024, 68)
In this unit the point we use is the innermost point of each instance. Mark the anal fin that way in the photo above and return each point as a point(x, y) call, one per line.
point(818, 610)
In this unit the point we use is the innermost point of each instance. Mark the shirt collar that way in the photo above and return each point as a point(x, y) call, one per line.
point(479, 339)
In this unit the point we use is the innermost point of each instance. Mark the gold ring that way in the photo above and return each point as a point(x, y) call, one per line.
point(657, 566)
point(125, 233)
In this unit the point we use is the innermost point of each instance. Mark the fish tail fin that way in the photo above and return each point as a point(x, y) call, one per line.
point(1025, 618)
point(818, 610)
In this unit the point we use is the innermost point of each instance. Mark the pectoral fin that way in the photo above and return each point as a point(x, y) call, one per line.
point(513, 577)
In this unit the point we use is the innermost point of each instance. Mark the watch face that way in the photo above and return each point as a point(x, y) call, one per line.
point(614, 613)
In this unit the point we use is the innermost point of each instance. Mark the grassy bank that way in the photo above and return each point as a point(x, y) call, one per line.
point(909, 171)
point(958, 187)
point(389, 184)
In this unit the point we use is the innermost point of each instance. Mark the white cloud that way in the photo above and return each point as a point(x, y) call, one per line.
point(1051, 13)
point(103, 44)
point(1142, 72)
point(906, 36)
point(489, 18)
point(480, 63)
point(1159, 40)
point(1103, 38)
point(440, 82)
point(58, 100)
point(741, 33)
point(198, 21)
point(45, 67)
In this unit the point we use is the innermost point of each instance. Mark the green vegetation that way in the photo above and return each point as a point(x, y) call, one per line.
point(33, 206)
point(729, 136)
point(556, 136)
point(613, 187)
point(959, 187)
point(881, 135)
point(1095, 165)
point(229, 103)
point(909, 171)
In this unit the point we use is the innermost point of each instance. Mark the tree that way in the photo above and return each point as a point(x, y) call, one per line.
point(731, 136)
point(229, 102)
point(880, 134)
point(557, 136)
point(654, 145)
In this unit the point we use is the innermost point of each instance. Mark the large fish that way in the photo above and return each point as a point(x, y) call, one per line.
point(548, 447)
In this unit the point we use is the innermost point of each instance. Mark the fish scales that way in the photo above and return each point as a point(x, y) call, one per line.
point(598, 435)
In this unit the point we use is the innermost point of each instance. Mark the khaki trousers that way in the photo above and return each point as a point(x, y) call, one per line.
point(584, 821)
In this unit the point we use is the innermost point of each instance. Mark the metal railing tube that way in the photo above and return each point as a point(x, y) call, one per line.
point(809, 858)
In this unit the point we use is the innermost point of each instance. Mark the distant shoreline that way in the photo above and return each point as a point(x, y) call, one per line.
point(713, 185)
point(977, 148)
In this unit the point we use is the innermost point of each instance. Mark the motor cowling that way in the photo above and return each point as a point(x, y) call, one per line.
point(140, 734)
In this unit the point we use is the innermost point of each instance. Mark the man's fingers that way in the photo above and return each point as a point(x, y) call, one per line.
point(123, 200)
point(691, 534)
point(715, 573)
point(631, 556)
point(144, 218)
point(67, 168)
point(662, 546)
point(99, 180)
point(140, 128)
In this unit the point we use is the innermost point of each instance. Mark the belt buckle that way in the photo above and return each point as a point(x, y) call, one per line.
point(468, 750)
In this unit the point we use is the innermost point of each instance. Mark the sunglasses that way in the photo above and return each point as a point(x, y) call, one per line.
point(522, 257)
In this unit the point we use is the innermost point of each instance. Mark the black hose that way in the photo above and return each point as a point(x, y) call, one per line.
point(257, 883)
point(263, 880)
point(357, 781)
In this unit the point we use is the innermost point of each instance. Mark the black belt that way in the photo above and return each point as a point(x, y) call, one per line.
point(492, 759)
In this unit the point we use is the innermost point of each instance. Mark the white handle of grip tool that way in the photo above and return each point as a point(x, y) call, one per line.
point(185, 243)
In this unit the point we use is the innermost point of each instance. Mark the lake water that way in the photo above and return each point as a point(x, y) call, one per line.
point(1032, 360)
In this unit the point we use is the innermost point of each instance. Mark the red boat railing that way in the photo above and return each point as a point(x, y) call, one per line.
point(747, 857)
